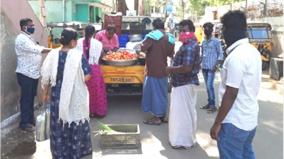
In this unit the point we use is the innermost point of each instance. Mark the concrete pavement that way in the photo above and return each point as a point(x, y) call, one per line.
point(268, 142)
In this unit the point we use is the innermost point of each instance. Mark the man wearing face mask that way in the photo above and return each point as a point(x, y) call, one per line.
point(235, 124)
point(212, 55)
point(184, 81)
point(28, 71)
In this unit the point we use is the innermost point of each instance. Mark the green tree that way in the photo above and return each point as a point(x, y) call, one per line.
point(198, 6)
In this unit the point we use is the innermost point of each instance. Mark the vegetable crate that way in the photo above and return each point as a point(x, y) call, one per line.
point(123, 136)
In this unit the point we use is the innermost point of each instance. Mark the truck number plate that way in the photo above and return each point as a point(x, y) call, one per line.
point(122, 79)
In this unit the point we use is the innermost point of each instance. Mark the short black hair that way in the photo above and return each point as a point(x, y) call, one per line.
point(67, 35)
point(234, 26)
point(25, 21)
point(89, 31)
point(158, 24)
point(235, 20)
point(208, 25)
point(189, 23)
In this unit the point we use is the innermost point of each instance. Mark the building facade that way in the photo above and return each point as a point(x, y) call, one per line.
point(71, 10)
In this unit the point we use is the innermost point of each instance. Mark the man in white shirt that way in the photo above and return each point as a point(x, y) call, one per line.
point(28, 71)
point(235, 125)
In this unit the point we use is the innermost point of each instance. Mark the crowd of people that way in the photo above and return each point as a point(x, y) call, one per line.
point(72, 81)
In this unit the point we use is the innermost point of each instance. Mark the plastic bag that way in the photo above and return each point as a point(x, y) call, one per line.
point(43, 124)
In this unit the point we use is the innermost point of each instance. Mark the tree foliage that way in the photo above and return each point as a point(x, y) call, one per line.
point(198, 6)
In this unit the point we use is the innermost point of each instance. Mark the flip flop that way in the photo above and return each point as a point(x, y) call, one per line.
point(205, 107)
point(179, 147)
point(182, 147)
point(153, 121)
point(211, 110)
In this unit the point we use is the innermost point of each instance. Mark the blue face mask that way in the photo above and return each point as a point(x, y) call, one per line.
point(31, 30)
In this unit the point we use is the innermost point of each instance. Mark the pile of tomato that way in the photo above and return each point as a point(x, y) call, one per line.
point(120, 55)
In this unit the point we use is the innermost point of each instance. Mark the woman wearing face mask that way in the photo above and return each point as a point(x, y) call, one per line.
point(108, 38)
point(92, 49)
point(65, 71)
point(182, 112)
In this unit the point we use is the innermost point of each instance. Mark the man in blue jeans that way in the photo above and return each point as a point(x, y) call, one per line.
point(28, 71)
point(235, 125)
point(212, 55)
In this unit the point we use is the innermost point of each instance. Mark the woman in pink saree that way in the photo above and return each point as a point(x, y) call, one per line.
point(92, 50)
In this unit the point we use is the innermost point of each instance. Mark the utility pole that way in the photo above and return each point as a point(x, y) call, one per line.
point(182, 4)
point(140, 7)
point(114, 6)
point(246, 7)
point(42, 12)
point(265, 8)
point(64, 10)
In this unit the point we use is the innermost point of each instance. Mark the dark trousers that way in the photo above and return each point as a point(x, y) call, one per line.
point(28, 93)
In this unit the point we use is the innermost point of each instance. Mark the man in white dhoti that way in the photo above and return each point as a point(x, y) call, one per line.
point(184, 79)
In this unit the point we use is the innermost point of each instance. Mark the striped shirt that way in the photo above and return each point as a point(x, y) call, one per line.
point(211, 53)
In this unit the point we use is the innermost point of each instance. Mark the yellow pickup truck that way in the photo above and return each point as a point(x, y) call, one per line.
point(260, 36)
point(126, 76)
point(128, 79)
point(123, 80)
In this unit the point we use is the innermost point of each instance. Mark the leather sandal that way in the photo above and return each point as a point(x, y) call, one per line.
point(153, 121)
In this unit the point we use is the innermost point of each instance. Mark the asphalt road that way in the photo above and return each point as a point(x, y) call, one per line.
point(268, 142)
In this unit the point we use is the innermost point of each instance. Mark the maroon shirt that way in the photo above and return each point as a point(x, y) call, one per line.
point(157, 52)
